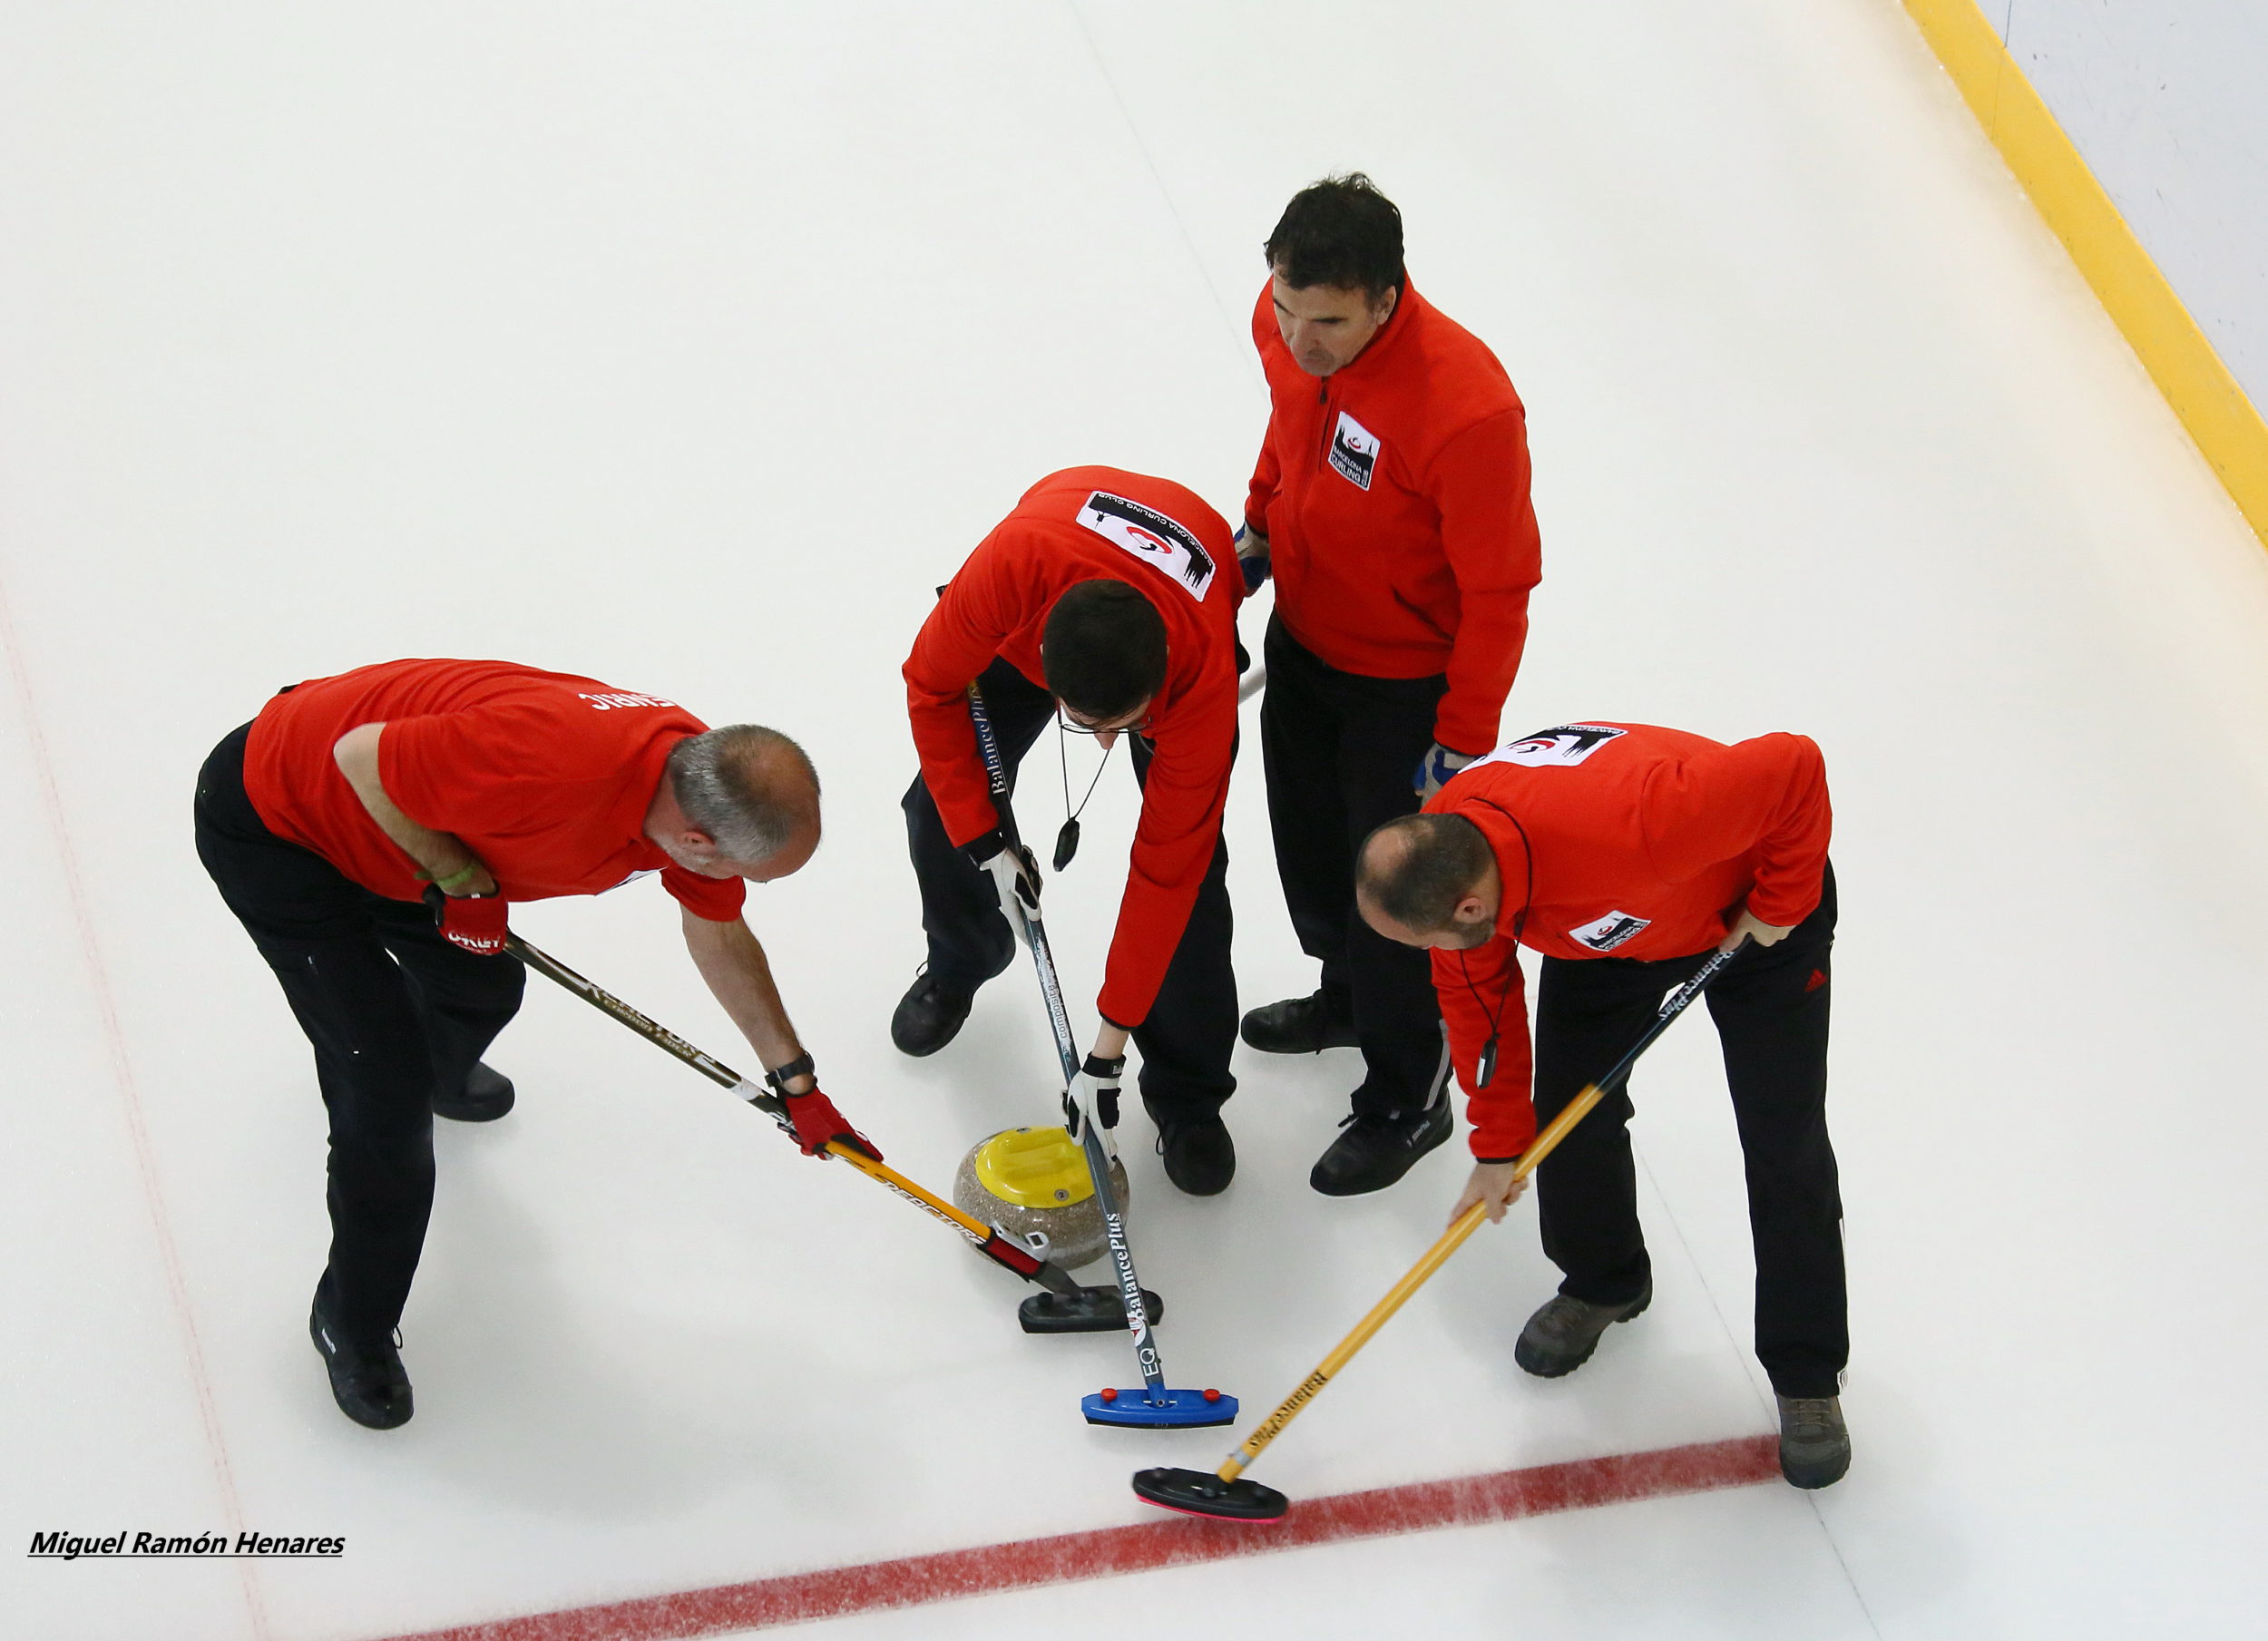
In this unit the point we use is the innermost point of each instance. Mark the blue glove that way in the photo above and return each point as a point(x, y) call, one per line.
point(1255, 565)
point(1434, 769)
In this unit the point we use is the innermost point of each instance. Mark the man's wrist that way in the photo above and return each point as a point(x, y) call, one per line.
point(454, 884)
point(802, 1070)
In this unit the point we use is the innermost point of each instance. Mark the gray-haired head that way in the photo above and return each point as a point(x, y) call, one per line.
point(752, 789)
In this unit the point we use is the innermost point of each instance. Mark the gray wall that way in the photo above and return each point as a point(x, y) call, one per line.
point(2168, 100)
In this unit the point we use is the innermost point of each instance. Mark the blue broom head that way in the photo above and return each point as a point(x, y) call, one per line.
point(1160, 1409)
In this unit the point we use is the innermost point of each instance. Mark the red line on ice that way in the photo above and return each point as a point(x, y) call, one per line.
point(1168, 1541)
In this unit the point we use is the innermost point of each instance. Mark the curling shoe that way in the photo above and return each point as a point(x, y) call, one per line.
point(1377, 1149)
point(1815, 1447)
point(929, 1016)
point(1561, 1335)
point(486, 1096)
point(1200, 1157)
point(1297, 1025)
point(371, 1387)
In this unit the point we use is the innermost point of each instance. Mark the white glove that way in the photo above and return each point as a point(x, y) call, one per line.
point(1434, 769)
point(1096, 1090)
point(1016, 879)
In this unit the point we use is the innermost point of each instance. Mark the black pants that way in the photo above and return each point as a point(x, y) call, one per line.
point(1341, 750)
point(1192, 1027)
point(395, 1012)
point(1770, 1005)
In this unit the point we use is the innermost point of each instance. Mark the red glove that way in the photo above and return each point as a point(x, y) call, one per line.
point(817, 1121)
point(476, 922)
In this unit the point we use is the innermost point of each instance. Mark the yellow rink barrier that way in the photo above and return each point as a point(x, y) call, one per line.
point(2225, 427)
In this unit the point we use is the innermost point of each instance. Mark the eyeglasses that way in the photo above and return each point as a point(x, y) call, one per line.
point(1063, 718)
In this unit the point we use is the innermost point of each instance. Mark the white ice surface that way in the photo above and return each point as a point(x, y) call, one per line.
point(690, 346)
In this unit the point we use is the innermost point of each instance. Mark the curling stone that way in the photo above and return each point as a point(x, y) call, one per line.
point(1036, 1179)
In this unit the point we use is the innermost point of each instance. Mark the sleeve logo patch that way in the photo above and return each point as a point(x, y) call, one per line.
point(1353, 452)
point(1150, 536)
point(1608, 931)
point(1558, 747)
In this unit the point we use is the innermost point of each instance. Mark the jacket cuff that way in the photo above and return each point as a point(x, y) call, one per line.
point(981, 849)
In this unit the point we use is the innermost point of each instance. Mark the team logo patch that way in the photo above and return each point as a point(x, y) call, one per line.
point(1560, 747)
point(1608, 931)
point(1353, 451)
point(1153, 538)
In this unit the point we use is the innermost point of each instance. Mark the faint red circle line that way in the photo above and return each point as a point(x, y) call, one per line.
point(1144, 1546)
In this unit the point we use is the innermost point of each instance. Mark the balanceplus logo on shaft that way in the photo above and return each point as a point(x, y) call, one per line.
point(61, 1546)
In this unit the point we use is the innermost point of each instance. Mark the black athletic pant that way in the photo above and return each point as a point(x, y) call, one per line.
point(395, 1012)
point(1340, 751)
point(1192, 1027)
point(1770, 1005)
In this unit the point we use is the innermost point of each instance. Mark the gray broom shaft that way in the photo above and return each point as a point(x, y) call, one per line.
point(1090, 1139)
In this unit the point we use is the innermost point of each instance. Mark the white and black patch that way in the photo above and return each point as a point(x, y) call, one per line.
point(1558, 747)
point(1608, 931)
point(1353, 452)
point(1152, 537)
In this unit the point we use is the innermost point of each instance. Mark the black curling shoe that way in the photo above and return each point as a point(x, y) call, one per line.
point(1199, 1155)
point(487, 1094)
point(929, 1015)
point(371, 1387)
point(1377, 1149)
point(1297, 1025)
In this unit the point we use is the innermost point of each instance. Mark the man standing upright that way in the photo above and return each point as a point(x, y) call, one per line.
point(1391, 505)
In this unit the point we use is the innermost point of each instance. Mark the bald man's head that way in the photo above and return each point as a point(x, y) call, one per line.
point(1429, 880)
point(752, 791)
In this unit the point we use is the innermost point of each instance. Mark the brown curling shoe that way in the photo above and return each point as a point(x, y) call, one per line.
point(1815, 1447)
point(1564, 1331)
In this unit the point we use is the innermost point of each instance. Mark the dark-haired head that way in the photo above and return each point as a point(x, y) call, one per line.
point(1103, 651)
point(1335, 271)
point(1341, 232)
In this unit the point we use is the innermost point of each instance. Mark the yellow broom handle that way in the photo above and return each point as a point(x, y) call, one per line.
point(884, 1175)
point(1431, 1261)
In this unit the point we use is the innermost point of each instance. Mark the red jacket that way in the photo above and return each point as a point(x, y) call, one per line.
point(1394, 497)
point(1647, 843)
point(545, 775)
point(1164, 541)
